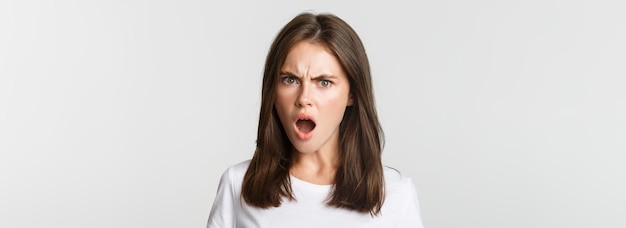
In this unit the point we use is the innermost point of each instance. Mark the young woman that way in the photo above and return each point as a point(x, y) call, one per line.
point(318, 156)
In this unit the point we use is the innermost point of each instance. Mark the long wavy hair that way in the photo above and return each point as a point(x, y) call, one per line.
point(359, 181)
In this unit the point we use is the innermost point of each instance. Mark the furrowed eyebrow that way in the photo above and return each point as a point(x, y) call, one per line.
point(324, 76)
point(287, 73)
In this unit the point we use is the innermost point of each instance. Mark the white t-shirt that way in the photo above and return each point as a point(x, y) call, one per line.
point(400, 209)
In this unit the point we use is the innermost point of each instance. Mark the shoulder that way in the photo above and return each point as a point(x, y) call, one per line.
point(239, 168)
point(224, 210)
point(234, 173)
point(393, 176)
point(396, 182)
point(401, 202)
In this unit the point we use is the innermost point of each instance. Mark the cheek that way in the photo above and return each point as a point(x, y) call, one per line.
point(282, 99)
point(281, 104)
point(336, 106)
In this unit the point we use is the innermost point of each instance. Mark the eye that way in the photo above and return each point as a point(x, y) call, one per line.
point(290, 80)
point(325, 83)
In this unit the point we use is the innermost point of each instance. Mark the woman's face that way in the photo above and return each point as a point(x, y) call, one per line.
point(311, 97)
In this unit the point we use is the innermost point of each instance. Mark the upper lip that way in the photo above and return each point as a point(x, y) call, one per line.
point(304, 116)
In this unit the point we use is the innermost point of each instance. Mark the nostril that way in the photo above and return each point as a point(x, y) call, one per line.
point(301, 101)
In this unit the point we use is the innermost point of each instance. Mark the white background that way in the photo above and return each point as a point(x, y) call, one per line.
point(125, 113)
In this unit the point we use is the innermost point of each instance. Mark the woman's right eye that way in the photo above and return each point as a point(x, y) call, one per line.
point(289, 80)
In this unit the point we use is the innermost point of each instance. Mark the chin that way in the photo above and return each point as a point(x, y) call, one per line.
point(305, 149)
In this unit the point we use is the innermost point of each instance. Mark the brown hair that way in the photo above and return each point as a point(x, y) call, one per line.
point(359, 183)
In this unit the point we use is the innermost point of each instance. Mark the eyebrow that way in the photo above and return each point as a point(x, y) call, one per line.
point(286, 73)
point(321, 76)
point(324, 76)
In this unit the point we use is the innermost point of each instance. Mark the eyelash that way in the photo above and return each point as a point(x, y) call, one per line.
point(291, 80)
point(328, 83)
point(286, 78)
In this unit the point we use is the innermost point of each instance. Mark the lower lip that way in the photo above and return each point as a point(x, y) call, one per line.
point(302, 135)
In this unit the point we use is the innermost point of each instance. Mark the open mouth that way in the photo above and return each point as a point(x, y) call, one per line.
point(305, 125)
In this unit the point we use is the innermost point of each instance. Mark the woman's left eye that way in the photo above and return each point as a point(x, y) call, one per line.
point(325, 83)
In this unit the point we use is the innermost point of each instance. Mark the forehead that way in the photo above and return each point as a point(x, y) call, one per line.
point(309, 58)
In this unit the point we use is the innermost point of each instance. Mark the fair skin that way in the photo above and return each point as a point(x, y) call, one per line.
point(311, 98)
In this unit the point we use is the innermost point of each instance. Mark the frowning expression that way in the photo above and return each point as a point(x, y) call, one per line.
point(312, 94)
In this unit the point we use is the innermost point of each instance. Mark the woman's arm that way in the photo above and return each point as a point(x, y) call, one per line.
point(411, 215)
point(223, 211)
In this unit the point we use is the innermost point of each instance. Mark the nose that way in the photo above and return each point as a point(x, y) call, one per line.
point(304, 96)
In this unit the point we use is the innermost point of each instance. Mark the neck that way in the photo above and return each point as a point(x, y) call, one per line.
point(318, 168)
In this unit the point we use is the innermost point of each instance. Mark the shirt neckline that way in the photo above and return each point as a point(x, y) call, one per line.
point(298, 183)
